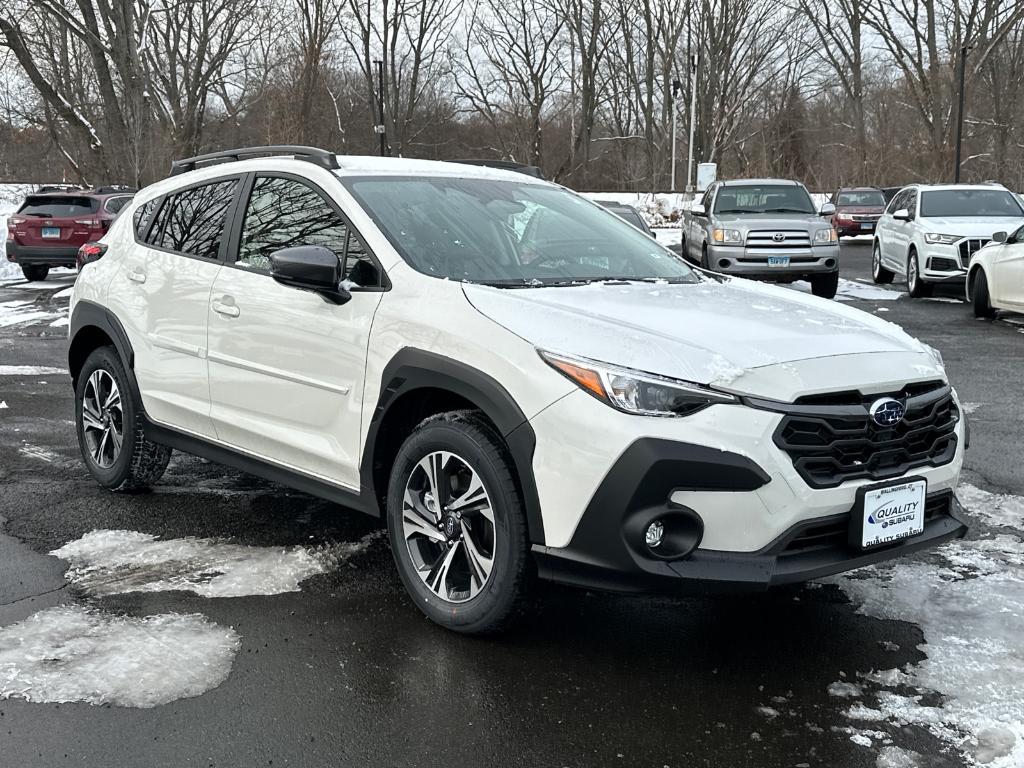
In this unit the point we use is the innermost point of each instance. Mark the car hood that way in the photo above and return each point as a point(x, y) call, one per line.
point(710, 332)
point(771, 220)
point(970, 226)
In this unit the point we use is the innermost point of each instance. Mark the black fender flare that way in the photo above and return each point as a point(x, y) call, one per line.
point(411, 369)
point(88, 315)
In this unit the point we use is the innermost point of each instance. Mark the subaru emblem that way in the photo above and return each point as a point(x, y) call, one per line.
point(887, 412)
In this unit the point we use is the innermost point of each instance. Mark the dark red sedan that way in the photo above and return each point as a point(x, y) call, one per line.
point(52, 224)
point(858, 209)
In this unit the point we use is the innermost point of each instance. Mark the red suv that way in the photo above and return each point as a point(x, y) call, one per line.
point(858, 209)
point(53, 223)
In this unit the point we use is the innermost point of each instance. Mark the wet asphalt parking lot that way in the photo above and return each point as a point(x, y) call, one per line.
point(340, 669)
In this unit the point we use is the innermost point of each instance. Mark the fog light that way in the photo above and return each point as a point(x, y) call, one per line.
point(655, 533)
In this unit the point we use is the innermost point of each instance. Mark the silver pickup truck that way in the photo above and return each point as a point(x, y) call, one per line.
point(766, 229)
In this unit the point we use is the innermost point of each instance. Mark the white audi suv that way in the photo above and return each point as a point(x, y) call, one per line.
point(519, 383)
point(928, 233)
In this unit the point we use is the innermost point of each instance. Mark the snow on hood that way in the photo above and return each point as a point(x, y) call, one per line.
point(707, 332)
point(970, 226)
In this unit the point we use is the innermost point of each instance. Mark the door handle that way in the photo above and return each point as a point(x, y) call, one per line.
point(226, 307)
point(136, 277)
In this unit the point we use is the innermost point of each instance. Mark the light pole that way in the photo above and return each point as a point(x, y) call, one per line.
point(379, 128)
point(693, 120)
point(676, 88)
point(960, 113)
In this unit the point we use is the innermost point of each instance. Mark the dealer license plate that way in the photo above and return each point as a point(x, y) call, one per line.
point(888, 513)
point(778, 261)
point(51, 232)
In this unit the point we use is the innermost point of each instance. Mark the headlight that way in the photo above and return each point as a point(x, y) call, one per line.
point(635, 392)
point(727, 236)
point(935, 239)
point(825, 236)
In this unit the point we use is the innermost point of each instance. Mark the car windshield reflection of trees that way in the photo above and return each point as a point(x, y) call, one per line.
point(508, 234)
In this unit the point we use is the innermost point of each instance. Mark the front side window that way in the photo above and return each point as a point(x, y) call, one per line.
point(283, 213)
point(898, 201)
point(763, 198)
point(509, 233)
point(969, 202)
point(192, 221)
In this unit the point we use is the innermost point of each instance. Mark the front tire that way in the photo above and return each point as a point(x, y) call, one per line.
point(980, 301)
point(916, 287)
point(109, 425)
point(456, 524)
point(826, 285)
point(34, 273)
point(879, 274)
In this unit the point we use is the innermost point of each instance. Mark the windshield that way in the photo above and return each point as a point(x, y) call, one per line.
point(862, 197)
point(510, 234)
point(969, 202)
point(764, 198)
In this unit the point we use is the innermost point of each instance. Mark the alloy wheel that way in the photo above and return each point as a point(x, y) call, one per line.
point(448, 526)
point(102, 418)
point(912, 273)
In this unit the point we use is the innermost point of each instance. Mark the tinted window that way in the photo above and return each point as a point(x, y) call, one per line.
point(898, 201)
point(143, 215)
point(283, 213)
point(51, 206)
point(861, 197)
point(763, 198)
point(969, 202)
point(115, 204)
point(192, 221)
point(509, 232)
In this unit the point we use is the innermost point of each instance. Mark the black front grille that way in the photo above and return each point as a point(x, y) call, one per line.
point(940, 264)
point(833, 443)
point(834, 531)
point(968, 247)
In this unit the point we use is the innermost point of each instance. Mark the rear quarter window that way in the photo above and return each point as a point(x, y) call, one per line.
point(143, 216)
point(58, 206)
point(116, 204)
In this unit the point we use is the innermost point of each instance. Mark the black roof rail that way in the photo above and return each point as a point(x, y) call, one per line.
point(320, 157)
point(113, 189)
point(506, 165)
point(59, 188)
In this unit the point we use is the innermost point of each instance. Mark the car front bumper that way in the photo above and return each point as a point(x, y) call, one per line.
point(941, 263)
point(803, 262)
point(26, 255)
point(737, 508)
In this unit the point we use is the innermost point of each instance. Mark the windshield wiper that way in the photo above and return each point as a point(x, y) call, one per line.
point(737, 210)
point(786, 210)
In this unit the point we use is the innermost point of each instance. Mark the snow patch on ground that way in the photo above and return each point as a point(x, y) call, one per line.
point(38, 452)
point(31, 370)
point(968, 599)
point(73, 653)
point(993, 508)
point(850, 289)
point(114, 562)
point(668, 236)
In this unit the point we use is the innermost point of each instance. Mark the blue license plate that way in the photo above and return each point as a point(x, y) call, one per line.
point(867, 225)
point(51, 232)
point(778, 261)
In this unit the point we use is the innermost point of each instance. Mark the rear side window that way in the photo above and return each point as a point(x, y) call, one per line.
point(58, 206)
point(192, 221)
point(115, 204)
point(143, 215)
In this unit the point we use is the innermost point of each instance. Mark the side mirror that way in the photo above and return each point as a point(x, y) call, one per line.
point(310, 268)
point(901, 215)
point(828, 209)
point(1000, 237)
point(698, 210)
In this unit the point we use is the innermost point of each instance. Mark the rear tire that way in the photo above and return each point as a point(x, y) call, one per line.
point(34, 273)
point(109, 425)
point(916, 287)
point(826, 285)
point(980, 301)
point(471, 574)
point(879, 274)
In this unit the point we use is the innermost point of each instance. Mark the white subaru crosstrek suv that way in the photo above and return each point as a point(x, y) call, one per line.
point(928, 233)
point(519, 382)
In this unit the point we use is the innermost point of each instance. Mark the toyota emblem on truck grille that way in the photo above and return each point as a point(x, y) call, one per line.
point(778, 237)
point(887, 412)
